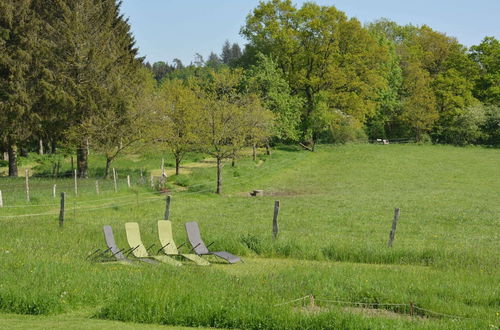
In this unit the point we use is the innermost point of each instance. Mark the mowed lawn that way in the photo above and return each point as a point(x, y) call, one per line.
point(336, 212)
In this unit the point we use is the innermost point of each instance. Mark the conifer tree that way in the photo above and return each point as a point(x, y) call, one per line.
point(18, 39)
point(95, 62)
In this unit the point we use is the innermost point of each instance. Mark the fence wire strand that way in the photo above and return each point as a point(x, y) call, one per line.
point(376, 304)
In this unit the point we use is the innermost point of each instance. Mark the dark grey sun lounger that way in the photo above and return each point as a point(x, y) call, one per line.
point(199, 247)
point(113, 249)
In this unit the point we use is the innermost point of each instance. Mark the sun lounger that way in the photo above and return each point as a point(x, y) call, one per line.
point(112, 253)
point(139, 250)
point(199, 247)
point(168, 245)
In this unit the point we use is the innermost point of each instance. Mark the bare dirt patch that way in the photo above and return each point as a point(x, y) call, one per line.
point(379, 312)
point(186, 168)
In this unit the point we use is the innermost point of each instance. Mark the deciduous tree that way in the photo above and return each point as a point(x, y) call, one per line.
point(320, 51)
point(177, 119)
point(487, 85)
point(225, 115)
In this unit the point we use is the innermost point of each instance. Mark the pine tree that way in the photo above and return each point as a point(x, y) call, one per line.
point(230, 53)
point(19, 30)
point(95, 60)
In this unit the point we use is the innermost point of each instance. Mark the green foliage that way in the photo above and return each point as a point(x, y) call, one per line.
point(160, 69)
point(70, 76)
point(491, 127)
point(176, 119)
point(20, 29)
point(266, 80)
point(320, 51)
point(465, 128)
point(487, 55)
point(437, 85)
point(389, 104)
point(229, 118)
point(230, 54)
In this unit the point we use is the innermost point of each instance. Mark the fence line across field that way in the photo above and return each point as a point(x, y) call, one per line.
point(121, 197)
point(410, 306)
point(36, 182)
point(81, 209)
point(238, 180)
point(83, 201)
point(212, 181)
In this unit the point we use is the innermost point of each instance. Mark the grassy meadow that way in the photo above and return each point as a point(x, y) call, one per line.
point(336, 212)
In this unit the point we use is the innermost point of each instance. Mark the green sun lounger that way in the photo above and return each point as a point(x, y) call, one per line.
point(139, 251)
point(169, 247)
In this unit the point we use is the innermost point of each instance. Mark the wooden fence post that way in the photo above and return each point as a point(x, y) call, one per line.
point(128, 181)
point(163, 167)
point(275, 218)
point(27, 185)
point(1, 199)
point(97, 187)
point(61, 212)
point(76, 183)
point(54, 188)
point(152, 181)
point(311, 301)
point(114, 179)
point(393, 229)
point(167, 207)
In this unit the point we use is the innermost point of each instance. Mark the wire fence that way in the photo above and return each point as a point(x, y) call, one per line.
point(181, 190)
point(82, 209)
point(405, 308)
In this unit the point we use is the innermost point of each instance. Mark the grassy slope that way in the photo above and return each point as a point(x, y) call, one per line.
point(336, 205)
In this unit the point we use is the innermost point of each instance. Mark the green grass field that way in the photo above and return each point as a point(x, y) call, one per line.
point(336, 212)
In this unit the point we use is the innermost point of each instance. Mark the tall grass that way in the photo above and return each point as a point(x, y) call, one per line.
point(336, 213)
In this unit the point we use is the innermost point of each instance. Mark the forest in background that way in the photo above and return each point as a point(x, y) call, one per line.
point(71, 80)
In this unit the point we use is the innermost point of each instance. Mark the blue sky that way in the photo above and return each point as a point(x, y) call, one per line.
point(166, 29)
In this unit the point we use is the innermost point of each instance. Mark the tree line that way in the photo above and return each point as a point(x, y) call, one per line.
point(71, 79)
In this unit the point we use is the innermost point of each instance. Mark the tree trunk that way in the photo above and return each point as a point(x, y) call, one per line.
point(268, 149)
point(254, 152)
point(108, 165)
point(40, 147)
point(82, 161)
point(314, 139)
point(12, 150)
point(53, 147)
point(233, 161)
point(219, 176)
point(24, 152)
point(177, 165)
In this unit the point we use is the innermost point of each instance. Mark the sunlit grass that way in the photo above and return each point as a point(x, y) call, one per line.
point(336, 212)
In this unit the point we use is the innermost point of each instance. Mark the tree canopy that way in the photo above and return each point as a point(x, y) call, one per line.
point(70, 76)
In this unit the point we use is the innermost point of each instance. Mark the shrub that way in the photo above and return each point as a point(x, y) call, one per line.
point(491, 126)
point(464, 128)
